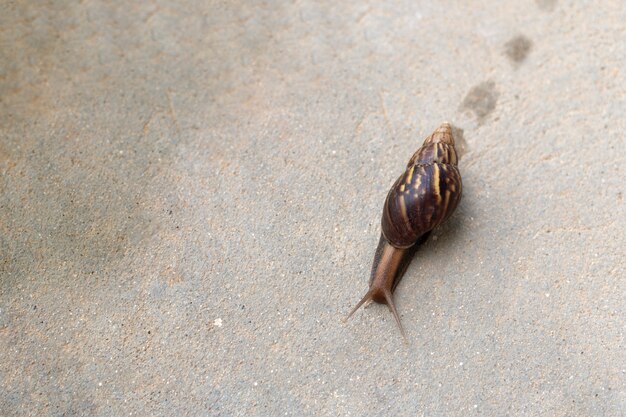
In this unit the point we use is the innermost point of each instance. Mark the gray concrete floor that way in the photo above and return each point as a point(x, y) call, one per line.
point(191, 196)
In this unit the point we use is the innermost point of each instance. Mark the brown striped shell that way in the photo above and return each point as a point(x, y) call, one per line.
point(426, 194)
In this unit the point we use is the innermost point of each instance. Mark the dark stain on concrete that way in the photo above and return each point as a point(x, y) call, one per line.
point(546, 5)
point(517, 48)
point(481, 100)
point(459, 141)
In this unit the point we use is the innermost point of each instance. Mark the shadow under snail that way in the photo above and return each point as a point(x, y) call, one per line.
point(422, 198)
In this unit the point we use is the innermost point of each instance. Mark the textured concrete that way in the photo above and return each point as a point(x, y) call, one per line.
point(190, 197)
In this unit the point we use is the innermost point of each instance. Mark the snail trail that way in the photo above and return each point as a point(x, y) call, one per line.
point(546, 5)
point(517, 49)
point(481, 100)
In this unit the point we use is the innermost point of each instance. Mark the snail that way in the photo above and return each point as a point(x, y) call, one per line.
point(422, 198)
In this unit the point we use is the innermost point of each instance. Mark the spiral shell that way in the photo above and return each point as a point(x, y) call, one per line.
point(426, 194)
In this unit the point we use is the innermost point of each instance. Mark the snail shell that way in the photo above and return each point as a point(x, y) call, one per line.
point(422, 198)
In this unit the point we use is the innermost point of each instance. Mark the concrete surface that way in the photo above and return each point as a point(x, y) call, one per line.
point(191, 195)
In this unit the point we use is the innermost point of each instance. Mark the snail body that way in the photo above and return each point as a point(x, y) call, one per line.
point(422, 198)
